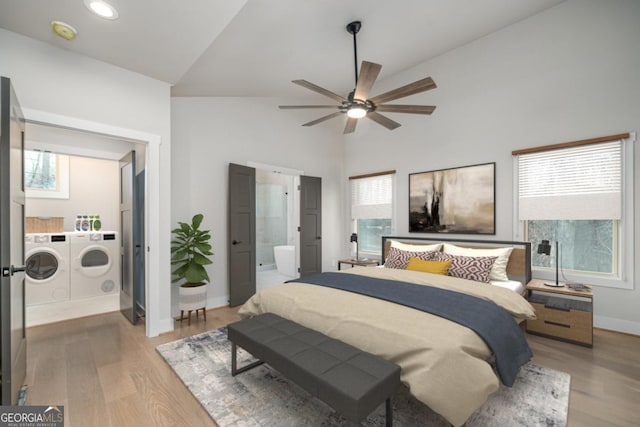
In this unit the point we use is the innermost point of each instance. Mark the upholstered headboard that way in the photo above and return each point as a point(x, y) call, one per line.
point(518, 268)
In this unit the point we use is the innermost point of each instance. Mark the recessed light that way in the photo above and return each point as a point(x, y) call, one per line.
point(102, 9)
point(64, 30)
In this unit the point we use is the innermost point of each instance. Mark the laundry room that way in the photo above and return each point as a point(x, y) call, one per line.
point(71, 236)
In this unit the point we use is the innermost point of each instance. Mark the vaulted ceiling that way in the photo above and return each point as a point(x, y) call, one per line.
point(256, 47)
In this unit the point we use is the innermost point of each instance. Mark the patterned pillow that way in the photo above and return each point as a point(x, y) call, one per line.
point(499, 269)
point(468, 267)
point(399, 259)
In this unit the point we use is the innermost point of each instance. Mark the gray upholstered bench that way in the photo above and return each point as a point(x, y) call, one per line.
point(349, 380)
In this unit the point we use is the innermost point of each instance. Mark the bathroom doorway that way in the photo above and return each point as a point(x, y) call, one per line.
point(277, 221)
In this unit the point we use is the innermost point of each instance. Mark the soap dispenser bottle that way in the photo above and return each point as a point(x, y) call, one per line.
point(97, 224)
point(85, 223)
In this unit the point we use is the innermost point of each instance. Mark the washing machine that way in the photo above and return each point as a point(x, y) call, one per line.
point(46, 268)
point(95, 264)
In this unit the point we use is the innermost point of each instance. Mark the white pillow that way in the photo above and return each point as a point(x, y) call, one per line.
point(499, 269)
point(416, 248)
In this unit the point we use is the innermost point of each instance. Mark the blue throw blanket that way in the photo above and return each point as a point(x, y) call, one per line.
point(491, 322)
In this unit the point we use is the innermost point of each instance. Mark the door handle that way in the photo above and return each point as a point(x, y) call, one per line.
point(236, 242)
point(10, 271)
point(15, 269)
point(318, 237)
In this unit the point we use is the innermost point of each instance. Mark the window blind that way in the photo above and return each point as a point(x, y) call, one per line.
point(583, 182)
point(371, 197)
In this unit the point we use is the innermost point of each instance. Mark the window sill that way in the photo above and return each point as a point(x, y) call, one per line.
point(587, 279)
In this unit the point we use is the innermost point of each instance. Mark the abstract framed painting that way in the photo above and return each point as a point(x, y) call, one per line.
point(457, 200)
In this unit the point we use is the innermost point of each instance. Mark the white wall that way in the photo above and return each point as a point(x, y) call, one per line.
point(568, 73)
point(210, 133)
point(94, 188)
point(54, 80)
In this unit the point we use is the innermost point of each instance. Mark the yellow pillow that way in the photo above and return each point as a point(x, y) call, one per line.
point(435, 267)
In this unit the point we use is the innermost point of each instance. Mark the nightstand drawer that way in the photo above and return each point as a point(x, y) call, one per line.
point(574, 325)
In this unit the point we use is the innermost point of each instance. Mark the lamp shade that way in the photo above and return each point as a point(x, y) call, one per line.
point(544, 247)
point(354, 238)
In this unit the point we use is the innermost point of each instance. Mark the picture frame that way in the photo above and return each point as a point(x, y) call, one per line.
point(454, 201)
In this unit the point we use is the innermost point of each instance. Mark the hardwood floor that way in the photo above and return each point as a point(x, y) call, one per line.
point(605, 379)
point(106, 372)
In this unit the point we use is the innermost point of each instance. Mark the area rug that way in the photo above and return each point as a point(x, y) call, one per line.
point(263, 397)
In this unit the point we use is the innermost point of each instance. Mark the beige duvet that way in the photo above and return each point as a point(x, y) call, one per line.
point(445, 365)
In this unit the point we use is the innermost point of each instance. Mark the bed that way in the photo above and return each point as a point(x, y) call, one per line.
point(447, 366)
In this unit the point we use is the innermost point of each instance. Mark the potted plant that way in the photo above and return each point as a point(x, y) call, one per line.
point(190, 249)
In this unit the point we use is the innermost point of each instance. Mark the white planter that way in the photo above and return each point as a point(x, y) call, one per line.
point(192, 298)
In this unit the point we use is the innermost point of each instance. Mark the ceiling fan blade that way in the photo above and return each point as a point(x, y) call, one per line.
point(383, 120)
point(368, 74)
point(289, 107)
point(410, 89)
point(322, 119)
point(350, 127)
point(320, 90)
point(411, 109)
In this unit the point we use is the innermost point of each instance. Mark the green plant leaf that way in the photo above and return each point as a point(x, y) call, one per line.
point(196, 273)
point(202, 247)
point(200, 259)
point(196, 221)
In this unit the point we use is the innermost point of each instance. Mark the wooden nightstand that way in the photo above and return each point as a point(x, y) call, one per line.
point(562, 313)
point(354, 262)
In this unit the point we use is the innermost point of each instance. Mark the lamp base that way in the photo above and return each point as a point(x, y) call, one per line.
point(554, 285)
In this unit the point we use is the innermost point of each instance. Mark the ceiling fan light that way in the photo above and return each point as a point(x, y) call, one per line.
point(356, 112)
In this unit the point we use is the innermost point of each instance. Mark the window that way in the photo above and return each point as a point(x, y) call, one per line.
point(574, 194)
point(46, 175)
point(587, 246)
point(371, 210)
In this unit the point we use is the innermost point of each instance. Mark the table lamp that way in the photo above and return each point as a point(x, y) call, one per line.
point(545, 248)
point(354, 238)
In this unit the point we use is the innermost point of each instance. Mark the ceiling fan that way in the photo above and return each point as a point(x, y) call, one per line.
point(357, 104)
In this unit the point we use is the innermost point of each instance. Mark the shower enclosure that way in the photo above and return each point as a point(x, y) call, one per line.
point(277, 220)
point(271, 221)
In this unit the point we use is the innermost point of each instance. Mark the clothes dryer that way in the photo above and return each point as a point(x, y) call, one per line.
point(46, 268)
point(95, 260)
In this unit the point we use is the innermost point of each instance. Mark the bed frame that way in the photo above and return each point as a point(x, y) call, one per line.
point(518, 268)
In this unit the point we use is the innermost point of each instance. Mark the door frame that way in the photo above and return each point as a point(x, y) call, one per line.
point(154, 321)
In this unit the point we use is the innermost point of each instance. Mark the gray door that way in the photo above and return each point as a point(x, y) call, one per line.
point(139, 262)
point(13, 343)
point(127, 240)
point(310, 225)
point(242, 233)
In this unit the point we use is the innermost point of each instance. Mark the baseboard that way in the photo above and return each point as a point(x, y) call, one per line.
point(618, 325)
point(217, 302)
